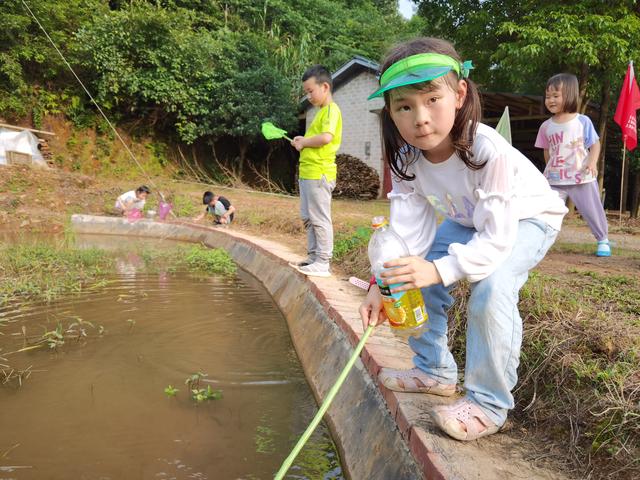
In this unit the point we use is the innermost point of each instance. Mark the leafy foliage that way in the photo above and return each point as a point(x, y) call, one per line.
point(186, 67)
point(28, 63)
point(207, 260)
point(150, 62)
point(584, 37)
point(518, 44)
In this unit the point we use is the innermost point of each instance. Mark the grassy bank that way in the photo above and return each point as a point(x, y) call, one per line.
point(46, 271)
point(580, 373)
point(579, 376)
point(40, 272)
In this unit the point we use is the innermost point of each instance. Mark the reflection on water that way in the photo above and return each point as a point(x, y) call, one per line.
point(95, 407)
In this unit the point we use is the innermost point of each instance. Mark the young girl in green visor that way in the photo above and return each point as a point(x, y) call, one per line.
point(500, 218)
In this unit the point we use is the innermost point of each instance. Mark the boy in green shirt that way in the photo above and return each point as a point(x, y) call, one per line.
point(317, 177)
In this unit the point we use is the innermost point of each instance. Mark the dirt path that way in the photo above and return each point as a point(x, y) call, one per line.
point(582, 234)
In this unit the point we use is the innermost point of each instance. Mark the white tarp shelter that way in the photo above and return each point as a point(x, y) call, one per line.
point(22, 142)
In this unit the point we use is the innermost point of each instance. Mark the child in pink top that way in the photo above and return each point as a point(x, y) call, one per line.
point(571, 149)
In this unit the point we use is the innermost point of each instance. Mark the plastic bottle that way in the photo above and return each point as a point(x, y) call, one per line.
point(405, 310)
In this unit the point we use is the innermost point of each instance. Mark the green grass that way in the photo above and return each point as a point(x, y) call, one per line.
point(348, 243)
point(184, 206)
point(15, 184)
point(192, 258)
point(578, 377)
point(45, 272)
point(350, 250)
point(579, 363)
point(206, 260)
point(617, 291)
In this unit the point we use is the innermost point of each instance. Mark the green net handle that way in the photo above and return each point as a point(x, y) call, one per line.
point(325, 405)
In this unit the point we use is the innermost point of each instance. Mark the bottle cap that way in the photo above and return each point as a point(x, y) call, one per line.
point(377, 222)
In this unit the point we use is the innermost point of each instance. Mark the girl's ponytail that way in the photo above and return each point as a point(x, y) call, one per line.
point(465, 125)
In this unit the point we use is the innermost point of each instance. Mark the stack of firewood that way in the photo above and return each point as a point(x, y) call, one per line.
point(45, 150)
point(356, 179)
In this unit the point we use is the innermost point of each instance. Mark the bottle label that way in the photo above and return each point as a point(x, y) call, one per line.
point(405, 309)
point(385, 290)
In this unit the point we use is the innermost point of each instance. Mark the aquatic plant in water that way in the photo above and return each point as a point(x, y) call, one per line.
point(200, 394)
point(207, 260)
point(193, 381)
point(78, 328)
point(53, 338)
point(171, 391)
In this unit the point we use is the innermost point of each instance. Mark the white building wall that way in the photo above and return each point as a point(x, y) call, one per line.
point(360, 120)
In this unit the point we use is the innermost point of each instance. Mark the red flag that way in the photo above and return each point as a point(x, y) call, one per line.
point(628, 103)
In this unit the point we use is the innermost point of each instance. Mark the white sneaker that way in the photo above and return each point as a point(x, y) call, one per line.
point(303, 263)
point(603, 250)
point(315, 269)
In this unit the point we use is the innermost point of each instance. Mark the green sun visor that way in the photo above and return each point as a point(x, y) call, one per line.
point(417, 69)
point(411, 78)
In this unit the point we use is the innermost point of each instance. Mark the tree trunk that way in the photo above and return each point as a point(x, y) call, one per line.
point(635, 193)
point(601, 160)
point(267, 160)
point(583, 80)
point(602, 128)
point(243, 146)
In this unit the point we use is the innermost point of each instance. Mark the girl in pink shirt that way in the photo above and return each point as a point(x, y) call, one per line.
point(571, 149)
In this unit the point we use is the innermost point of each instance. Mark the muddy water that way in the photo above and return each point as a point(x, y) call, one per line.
point(95, 408)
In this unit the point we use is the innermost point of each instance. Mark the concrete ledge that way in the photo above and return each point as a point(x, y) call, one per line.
point(381, 434)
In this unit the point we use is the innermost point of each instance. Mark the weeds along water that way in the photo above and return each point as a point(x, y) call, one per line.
point(44, 271)
point(579, 381)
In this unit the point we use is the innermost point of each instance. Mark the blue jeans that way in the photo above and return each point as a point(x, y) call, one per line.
point(494, 326)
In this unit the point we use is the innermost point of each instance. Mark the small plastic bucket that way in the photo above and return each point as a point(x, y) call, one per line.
point(163, 210)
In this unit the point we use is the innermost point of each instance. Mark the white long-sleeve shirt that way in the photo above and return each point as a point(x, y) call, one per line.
point(492, 200)
point(129, 200)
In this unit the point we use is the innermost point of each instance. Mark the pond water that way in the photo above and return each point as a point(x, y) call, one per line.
point(95, 408)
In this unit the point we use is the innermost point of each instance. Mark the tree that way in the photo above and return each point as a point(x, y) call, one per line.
point(187, 68)
point(472, 26)
point(593, 39)
point(518, 45)
point(150, 62)
point(28, 62)
point(248, 90)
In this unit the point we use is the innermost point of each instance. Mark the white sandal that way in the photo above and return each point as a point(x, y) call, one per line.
point(463, 420)
point(414, 381)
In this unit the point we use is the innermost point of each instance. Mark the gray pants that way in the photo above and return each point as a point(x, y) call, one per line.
point(315, 210)
point(587, 200)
